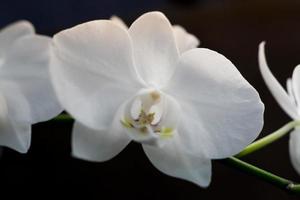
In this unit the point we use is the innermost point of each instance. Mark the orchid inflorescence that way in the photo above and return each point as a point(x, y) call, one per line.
point(148, 83)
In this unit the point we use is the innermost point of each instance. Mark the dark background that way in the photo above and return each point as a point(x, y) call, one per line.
point(233, 28)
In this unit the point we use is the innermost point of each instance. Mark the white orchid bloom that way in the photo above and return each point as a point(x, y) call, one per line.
point(184, 40)
point(288, 100)
point(122, 85)
point(26, 94)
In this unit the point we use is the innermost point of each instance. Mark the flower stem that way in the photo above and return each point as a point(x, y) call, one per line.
point(278, 181)
point(268, 139)
point(63, 118)
point(294, 188)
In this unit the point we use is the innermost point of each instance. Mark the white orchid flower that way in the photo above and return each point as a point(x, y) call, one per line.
point(133, 85)
point(288, 100)
point(26, 94)
point(184, 40)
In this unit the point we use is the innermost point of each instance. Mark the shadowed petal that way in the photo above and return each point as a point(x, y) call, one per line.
point(100, 145)
point(27, 65)
point(294, 146)
point(12, 32)
point(97, 145)
point(117, 20)
point(185, 41)
point(295, 85)
point(172, 160)
point(15, 127)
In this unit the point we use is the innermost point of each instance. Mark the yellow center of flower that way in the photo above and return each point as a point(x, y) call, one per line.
point(146, 116)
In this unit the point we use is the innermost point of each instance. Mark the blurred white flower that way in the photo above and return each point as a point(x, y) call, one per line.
point(184, 40)
point(288, 100)
point(123, 85)
point(26, 94)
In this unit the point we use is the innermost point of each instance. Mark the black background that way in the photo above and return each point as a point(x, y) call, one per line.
point(233, 28)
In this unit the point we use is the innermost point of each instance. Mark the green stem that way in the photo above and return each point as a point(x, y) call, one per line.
point(63, 118)
point(294, 188)
point(268, 139)
point(278, 181)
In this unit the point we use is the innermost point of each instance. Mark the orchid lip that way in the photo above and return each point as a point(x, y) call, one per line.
point(143, 118)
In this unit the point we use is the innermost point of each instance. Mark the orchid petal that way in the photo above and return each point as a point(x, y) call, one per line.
point(12, 32)
point(118, 21)
point(172, 160)
point(16, 135)
point(154, 48)
point(26, 65)
point(99, 145)
point(221, 112)
point(296, 85)
point(290, 91)
point(294, 147)
point(93, 71)
point(15, 128)
point(276, 89)
point(185, 41)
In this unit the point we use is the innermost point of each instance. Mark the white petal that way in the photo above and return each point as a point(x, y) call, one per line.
point(185, 41)
point(296, 85)
point(118, 21)
point(289, 87)
point(154, 48)
point(290, 91)
point(15, 127)
point(294, 146)
point(172, 160)
point(13, 32)
point(99, 145)
point(93, 72)
point(16, 135)
point(221, 112)
point(26, 65)
point(276, 89)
